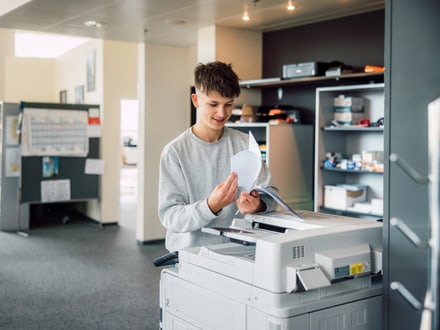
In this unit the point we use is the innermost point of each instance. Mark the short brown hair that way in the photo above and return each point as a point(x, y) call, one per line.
point(217, 76)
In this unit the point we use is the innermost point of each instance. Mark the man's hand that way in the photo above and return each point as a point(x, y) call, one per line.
point(223, 194)
point(250, 203)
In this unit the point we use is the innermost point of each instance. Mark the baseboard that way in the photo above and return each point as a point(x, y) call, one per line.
point(151, 242)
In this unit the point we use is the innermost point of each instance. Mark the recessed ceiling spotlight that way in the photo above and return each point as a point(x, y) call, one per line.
point(177, 21)
point(290, 6)
point(245, 16)
point(94, 24)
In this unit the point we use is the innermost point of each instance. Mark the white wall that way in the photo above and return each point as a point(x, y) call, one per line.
point(70, 71)
point(119, 82)
point(29, 79)
point(168, 78)
point(6, 49)
point(206, 44)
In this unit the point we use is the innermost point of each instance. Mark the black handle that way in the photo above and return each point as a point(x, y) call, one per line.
point(167, 259)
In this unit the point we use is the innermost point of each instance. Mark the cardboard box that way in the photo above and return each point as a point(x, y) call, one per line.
point(343, 196)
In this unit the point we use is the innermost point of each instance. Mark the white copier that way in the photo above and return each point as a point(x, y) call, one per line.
point(315, 271)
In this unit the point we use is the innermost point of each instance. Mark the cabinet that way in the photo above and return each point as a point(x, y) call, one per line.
point(10, 167)
point(350, 141)
point(288, 151)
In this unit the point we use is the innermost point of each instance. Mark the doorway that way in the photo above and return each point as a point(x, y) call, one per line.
point(129, 170)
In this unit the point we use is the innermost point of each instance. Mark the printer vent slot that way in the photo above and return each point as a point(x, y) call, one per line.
point(298, 252)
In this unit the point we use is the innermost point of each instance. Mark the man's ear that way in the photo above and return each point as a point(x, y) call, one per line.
point(194, 100)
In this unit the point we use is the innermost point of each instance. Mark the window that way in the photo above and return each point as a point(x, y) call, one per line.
point(30, 44)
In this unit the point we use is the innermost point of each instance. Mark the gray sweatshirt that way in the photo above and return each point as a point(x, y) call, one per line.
point(190, 168)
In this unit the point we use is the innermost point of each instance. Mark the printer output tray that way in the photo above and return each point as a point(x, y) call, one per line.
point(244, 236)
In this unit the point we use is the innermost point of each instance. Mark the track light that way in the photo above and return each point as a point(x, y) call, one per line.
point(245, 16)
point(94, 24)
point(290, 6)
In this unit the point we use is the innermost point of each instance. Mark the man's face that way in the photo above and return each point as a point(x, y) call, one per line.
point(214, 109)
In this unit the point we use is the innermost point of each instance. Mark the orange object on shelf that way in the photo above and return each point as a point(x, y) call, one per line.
point(273, 112)
point(374, 68)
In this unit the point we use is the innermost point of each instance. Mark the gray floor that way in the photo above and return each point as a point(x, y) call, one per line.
point(79, 276)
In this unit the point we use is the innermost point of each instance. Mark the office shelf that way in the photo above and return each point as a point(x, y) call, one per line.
point(351, 171)
point(361, 77)
point(288, 151)
point(347, 140)
point(352, 129)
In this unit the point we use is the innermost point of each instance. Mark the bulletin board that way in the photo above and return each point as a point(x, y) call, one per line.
point(56, 146)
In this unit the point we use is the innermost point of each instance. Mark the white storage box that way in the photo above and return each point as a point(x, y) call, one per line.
point(377, 205)
point(343, 196)
point(355, 103)
point(348, 110)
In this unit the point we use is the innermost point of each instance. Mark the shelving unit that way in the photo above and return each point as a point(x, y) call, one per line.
point(278, 82)
point(347, 141)
point(288, 153)
point(373, 82)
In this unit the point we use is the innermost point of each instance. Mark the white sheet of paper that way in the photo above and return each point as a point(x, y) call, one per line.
point(247, 164)
point(254, 146)
point(94, 166)
point(94, 131)
point(55, 190)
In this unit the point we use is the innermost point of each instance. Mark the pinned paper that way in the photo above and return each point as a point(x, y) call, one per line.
point(247, 164)
point(94, 166)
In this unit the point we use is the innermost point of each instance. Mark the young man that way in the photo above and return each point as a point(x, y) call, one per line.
point(196, 186)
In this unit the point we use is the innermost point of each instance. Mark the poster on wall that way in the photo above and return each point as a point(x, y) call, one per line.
point(50, 166)
point(91, 70)
point(79, 94)
point(94, 127)
point(63, 96)
point(51, 132)
point(11, 130)
point(55, 190)
point(12, 161)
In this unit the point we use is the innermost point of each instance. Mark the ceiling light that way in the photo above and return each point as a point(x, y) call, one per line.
point(290, 6)
point(245, 16)
point(94, 24)
point(177, 21)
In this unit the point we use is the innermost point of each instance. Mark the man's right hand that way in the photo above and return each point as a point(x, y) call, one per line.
point(223, 194)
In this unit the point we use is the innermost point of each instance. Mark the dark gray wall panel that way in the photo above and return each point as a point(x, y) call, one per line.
point(412, 81)
point(355, 40)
